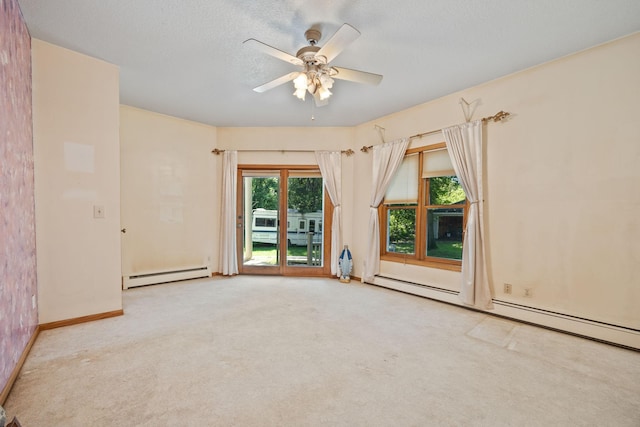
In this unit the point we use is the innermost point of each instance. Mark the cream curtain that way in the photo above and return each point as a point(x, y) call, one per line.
point(330, 163)
point(464, 144)
point(387, 158)
point(228, 252)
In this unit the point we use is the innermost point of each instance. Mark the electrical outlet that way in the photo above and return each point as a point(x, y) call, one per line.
point(507, 288)
point(98, 211)
point(528, 292)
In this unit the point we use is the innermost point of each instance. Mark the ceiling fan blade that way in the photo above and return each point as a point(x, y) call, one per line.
point(277, 82)
point(356, 76)
point(336, 44)
point(273, 51)
point(320, 102)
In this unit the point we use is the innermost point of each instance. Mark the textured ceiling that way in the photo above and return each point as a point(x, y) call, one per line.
point(186, 58)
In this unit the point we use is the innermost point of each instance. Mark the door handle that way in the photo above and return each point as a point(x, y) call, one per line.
point(124, 230)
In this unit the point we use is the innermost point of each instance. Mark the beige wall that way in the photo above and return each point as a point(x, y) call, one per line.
point(77, 167)
point(170, 193)
point(273, 138)
point(562, 191)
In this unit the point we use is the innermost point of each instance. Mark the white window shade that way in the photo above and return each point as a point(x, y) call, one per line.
point(314, 173)
point(437, 163)
point(260, 174)
point(404, 185)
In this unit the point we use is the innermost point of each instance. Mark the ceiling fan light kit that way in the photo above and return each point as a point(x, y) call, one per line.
point(315, 80)
point(317, 76)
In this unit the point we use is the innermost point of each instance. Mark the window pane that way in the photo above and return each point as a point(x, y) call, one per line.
point(445, 190)
point(260, 237)
point(305, 209)
point(444, 233)
point(401, 232)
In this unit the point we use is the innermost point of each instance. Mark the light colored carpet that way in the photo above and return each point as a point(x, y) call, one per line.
point(273, 351)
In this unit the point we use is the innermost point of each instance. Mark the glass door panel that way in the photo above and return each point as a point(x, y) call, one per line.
point(305, 213)
point(261, 223)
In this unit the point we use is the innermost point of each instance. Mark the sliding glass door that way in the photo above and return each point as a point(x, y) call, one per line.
point(281, 221)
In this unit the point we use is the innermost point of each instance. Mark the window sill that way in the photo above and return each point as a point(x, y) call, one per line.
point(450, 265)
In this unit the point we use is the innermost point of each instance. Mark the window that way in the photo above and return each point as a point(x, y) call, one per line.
point(265, 222)
point(423, 212)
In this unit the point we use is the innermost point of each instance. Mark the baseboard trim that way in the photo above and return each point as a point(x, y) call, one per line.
point(585, 328)
point(16, 371)
point(82, 319)
point(43, 327)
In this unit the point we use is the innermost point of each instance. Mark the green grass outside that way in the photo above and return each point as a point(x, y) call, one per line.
point(445, 249)
point(296, 255)
point(267, 250)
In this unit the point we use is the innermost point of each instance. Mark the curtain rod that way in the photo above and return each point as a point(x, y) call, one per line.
point(217, 151)
point(500, 115)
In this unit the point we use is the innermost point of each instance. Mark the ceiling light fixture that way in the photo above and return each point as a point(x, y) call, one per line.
point(316, 75)
point(316, 79)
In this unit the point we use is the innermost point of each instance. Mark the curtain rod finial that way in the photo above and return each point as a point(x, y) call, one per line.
point(499, 116)
point(217, 152)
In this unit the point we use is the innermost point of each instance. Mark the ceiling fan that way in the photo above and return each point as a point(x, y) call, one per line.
point(317, 75)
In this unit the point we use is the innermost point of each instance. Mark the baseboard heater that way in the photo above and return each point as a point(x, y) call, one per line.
point(588, 328)
point(164, 276)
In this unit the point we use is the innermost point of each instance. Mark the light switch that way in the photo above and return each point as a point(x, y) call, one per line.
point(98, 211)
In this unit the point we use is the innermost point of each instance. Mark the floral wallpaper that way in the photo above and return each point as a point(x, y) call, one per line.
point(18, 318)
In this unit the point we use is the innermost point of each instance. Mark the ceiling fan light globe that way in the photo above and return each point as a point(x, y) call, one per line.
point(326, 81)
point(324, 93)
point(300, 82)
point(300, 93)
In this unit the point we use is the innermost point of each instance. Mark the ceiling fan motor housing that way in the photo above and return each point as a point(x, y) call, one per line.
point(312, 36)
point(308, 55)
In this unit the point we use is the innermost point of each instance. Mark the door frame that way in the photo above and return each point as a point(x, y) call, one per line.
point(282, 268)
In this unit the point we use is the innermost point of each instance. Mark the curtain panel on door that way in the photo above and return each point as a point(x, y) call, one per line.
point(330, 163)
point(387, 158)
point(464, 144)
point(228, 248)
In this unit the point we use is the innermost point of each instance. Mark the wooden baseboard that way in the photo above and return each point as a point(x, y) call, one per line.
point(44, 327)
point(82, 319)
point(14, 374)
